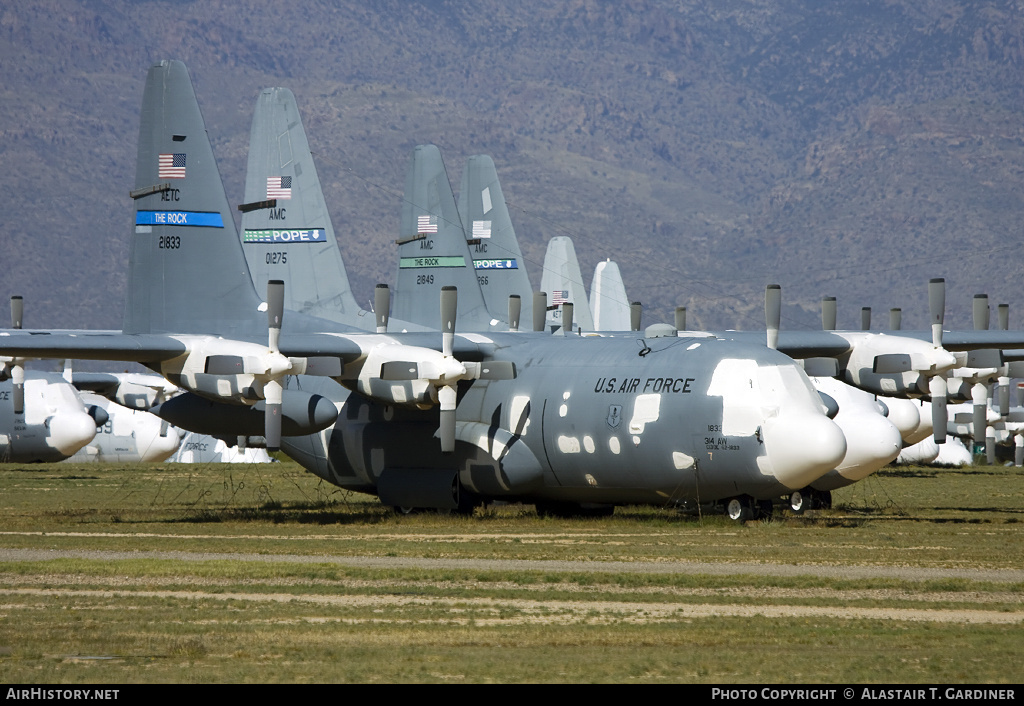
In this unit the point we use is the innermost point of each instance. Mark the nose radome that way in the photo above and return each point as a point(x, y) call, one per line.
point(904, 414)
point(800, 448)
point(872, 441)
point(70, 431)
point(161, 447)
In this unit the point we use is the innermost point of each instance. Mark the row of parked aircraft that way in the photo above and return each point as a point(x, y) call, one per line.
point(87, 417)
point(444, 399)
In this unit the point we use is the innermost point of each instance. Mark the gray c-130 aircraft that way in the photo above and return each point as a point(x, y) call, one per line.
point(872, 440)
point(436, 419)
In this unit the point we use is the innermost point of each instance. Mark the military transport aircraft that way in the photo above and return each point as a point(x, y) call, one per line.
point(42, 417)
point(128, 435)
point(873, 431)
point(445, 417)
point(52, 423)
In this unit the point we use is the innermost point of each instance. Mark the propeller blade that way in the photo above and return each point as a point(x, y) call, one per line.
point(981, 312)
point(540, 310)
point(937, 390)
point(274, 393)
point(449, 308)
point(567, 312)
point(1004, 317)
point(895, 319)
point(828, 313)
point(447, 396)
point(680, 318)
point(275, 312)
point(979, 396)
point(17, 310)
point(382, 306)
point(865, 318)
point(1004, 397)
point(937, 308)
point(515, 310)
point(18, 381)
point(773, 313)
point(990, 447)
point(17, 369)
point(635, 315)
point(1018, 451)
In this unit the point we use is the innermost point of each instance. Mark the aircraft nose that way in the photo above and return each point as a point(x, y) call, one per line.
point(162, 447)
point(872, 441)
point(904, 414)
point(70, 431)
point(800, 448)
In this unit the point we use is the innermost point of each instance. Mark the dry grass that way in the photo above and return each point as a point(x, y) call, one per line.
point(360, 594)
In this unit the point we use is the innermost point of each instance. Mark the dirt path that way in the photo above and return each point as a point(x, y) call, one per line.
point(902, 573)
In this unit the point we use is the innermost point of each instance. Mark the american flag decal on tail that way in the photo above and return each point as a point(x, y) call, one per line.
point(171, 166)
point(279, 187)
point(426, 224)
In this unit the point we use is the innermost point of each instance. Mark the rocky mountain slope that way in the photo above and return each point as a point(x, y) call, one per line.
point(854, 149)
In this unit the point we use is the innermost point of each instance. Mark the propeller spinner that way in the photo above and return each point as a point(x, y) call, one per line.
point(17, 369)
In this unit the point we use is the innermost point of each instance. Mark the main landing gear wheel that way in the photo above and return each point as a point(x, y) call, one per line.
point(739, 509)
point(798, 502)
point(809, 499)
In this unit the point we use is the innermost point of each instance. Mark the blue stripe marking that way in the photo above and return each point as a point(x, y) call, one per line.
point(200, 219)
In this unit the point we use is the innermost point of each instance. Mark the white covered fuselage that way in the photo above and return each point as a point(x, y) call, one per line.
point(54, 425)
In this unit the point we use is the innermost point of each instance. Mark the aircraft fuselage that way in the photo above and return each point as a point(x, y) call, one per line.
point(594, 420)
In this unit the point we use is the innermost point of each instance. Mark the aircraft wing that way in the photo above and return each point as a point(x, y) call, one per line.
point(973, 340)
point(90, 345)
point(796, 344)
point(821, 344)
point(351, 347)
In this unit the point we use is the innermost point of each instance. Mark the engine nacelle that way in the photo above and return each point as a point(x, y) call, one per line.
point(894, 365)
point(301, 413)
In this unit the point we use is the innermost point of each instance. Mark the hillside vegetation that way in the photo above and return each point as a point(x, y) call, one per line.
point(854, 149)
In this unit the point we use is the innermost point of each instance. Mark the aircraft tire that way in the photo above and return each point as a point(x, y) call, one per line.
point(739, 509)
point(799, 501)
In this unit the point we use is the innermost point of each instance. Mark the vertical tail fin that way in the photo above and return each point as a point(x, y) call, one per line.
point(293, 240)
point(187, 273)
point(497, 259)
point(563, 282)
point(432, 249)
point(608, 298)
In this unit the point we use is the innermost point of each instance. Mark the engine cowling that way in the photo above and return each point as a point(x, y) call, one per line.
point(302, 413)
